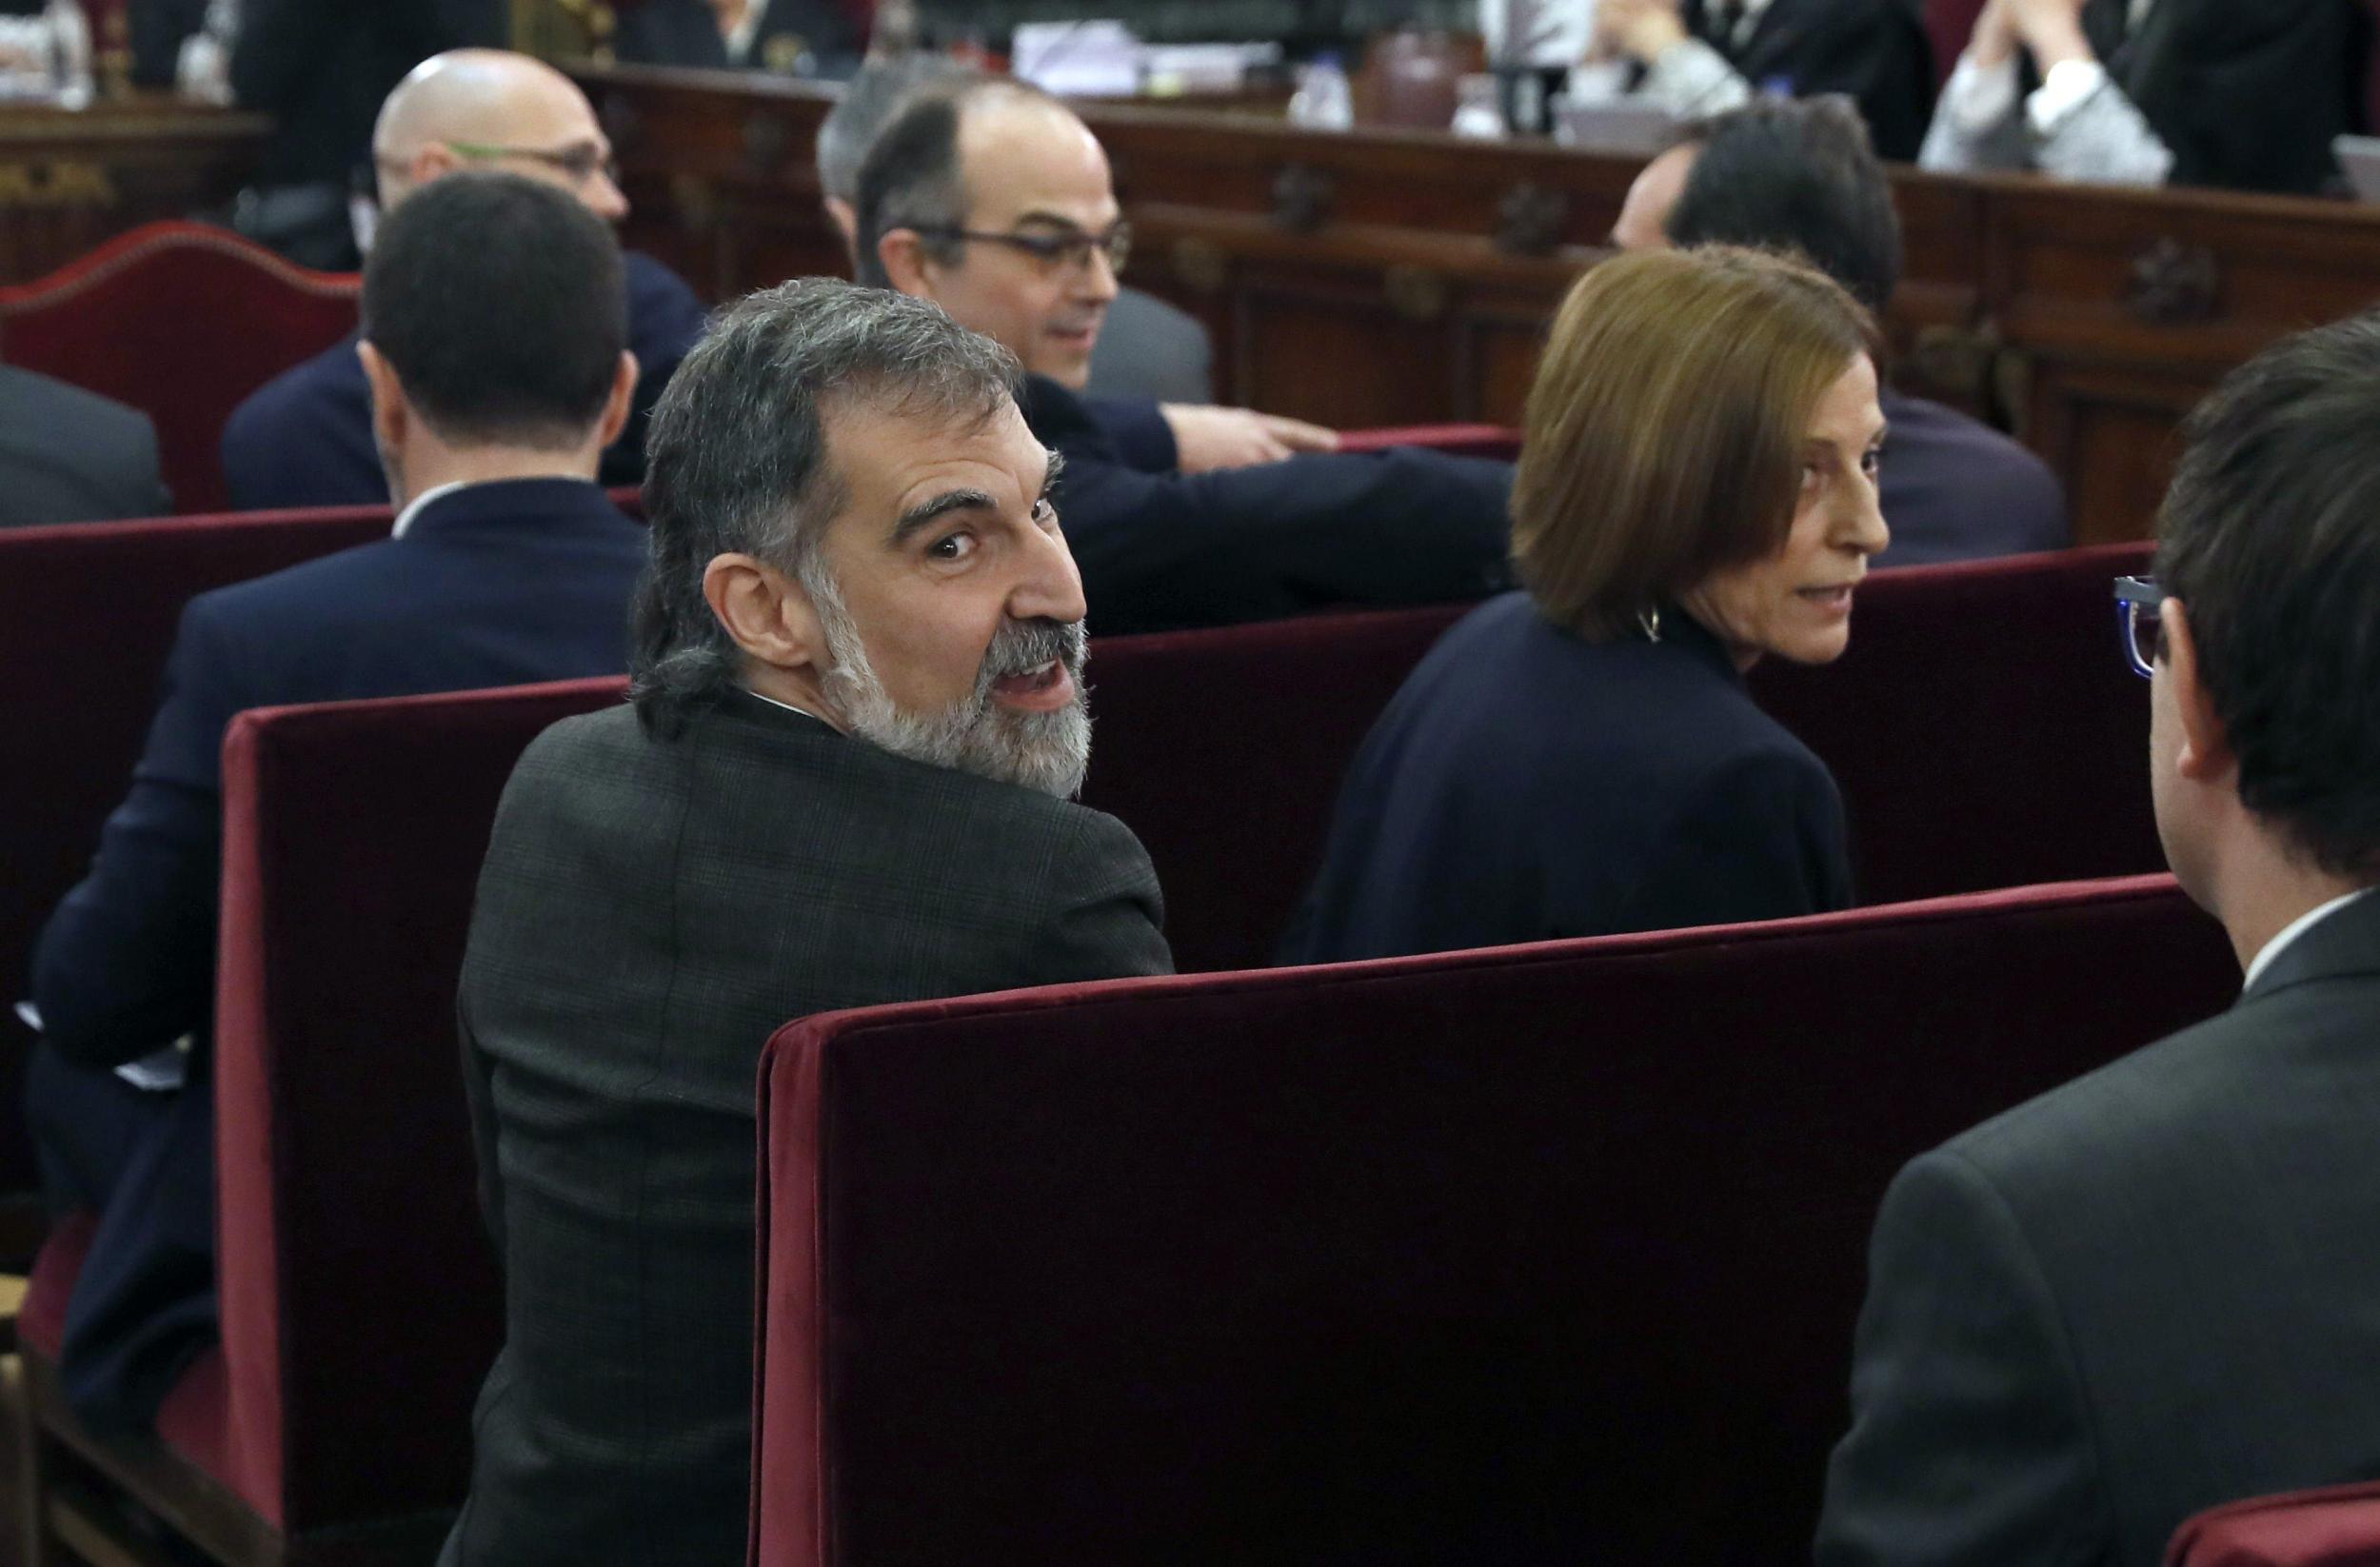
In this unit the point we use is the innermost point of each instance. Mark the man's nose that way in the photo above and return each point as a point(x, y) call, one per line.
point(1096, 279)
point(604, 198)
point(1051, 585)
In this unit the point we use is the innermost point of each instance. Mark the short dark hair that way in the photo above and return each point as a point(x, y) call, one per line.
point(868, 103)
point(911, 178)
point(736, 461)
point(2270, 538)
point(501, 306)
point(1798, 175)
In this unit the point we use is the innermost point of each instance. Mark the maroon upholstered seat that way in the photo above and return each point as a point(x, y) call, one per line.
point(1948, 24)
point(1538, 1254)
point(2335, 1527)
point(182, 321)
point(359, 1296)
point(1984, 727)
point(87, 614)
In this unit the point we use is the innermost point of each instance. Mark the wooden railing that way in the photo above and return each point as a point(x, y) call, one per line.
point(1397, 277)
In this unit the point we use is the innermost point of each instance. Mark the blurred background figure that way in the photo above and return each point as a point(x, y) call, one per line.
point(71, 456)
point(788, 37)
point(2150, 92)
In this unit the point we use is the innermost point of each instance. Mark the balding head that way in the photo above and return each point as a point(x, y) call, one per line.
point(499, 109)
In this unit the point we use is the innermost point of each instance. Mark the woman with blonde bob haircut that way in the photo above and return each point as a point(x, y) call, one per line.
point(1697, 492)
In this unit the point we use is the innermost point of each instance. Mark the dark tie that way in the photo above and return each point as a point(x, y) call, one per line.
point(1727, 20)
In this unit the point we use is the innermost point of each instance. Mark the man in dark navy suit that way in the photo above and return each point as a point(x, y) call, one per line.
point(494, 345)
point(1800, 176)
point(304, 439)
point(994, 199)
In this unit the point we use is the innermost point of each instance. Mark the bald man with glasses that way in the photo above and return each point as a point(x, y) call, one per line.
point(995, 202)
point(304, 439)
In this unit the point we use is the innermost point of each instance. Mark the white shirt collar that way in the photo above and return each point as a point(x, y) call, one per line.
point(413, 508)
point(786, 706)
point(2296, 928)
point(2138, 11)
point(740, 41)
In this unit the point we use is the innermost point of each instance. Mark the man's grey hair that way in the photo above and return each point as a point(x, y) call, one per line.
point(868, 105)
point(736, 459)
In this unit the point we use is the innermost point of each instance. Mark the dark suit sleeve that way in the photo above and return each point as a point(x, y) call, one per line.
point(1877, 54)
point(1970, 1445)
point(1143, 437)
point(127, 964)
point(1762, 838)
point(1106, 918)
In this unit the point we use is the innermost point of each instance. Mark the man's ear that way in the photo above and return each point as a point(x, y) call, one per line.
point(391, 415)
point(2205, 753)
point(618, 406)
point(766, 613)
point(430, 160)
point(903, 254)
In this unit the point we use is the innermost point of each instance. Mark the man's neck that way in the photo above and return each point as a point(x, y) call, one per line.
point(798, 689)
point(428, 468)
point(2269, 890)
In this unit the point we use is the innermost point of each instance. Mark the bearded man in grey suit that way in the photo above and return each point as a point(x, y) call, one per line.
point(2157, 1289)
point(858, 716)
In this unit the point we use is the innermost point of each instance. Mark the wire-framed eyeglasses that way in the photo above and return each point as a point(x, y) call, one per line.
point(578, 163)
point(1057, 250)
point(2138, 600)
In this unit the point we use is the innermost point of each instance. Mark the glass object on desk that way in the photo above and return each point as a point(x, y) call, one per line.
point(1323, 100)
point(70, 54)
point(1478, 107)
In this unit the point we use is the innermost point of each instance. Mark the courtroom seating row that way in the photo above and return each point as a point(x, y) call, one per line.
point(2334, 1526)
point(1534, 1254)
point(181, 321)
point(336, 1406)
point(2003, 673)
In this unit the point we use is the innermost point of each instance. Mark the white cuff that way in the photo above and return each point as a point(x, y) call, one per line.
point(2070, 85)
point(1692, 79)
point(1978, 97)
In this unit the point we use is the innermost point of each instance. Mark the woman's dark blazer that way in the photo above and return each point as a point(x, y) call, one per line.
point(1526, 785)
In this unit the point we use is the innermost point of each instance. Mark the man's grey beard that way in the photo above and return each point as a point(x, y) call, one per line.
point(1046, 751)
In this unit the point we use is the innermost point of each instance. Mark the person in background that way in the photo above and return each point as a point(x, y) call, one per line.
point(818, 38)
point(1800, 177)
point(994, 201)
point(1147, 350)
point(305, 438)
point(859, 716)
point(2150, 92)
point(1697, 492)
point(2144, 1294)
point(1702, 57)
point(68, 455)
point(320, 70)
point(495, 347)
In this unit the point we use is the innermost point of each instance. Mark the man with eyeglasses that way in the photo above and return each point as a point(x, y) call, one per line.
point(2154, 1290)
point(304, 439)
point(992, 199)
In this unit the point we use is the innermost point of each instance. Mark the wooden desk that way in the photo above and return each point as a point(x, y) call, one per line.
point(69, 179)
point(1398, 277)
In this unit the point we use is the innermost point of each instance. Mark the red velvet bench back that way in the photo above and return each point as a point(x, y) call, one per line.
point(87, 614)
point(1542, 1254)
point(182, 321)
point(361, 1305)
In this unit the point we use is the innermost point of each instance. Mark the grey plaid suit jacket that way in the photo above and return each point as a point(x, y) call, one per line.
point(2149, 1292)
point(649, 913)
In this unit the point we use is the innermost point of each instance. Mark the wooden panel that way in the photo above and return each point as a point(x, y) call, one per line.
point(71, 179)
point(1387, 277)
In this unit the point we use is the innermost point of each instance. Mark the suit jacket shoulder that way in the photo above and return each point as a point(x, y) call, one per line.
point(68, 455)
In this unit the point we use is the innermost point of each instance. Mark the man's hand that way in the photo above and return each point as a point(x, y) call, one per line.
point(1642, 30)
point(2051, 28)
point(1995, 38)
point(1206, 438)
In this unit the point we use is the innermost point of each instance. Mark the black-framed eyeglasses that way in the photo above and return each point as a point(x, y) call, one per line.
point(580, 161)
point(2138, 600)
point(1052, 252)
